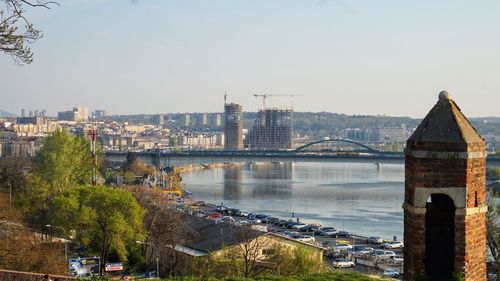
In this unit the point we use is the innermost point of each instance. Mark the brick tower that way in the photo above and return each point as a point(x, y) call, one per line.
point(445, 198)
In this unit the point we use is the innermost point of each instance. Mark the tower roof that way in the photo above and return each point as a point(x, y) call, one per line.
point(445, 128)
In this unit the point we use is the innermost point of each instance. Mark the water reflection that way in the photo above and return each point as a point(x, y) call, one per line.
point(357, 196)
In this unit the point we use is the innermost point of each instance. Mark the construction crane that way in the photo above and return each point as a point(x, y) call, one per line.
point(265, 96)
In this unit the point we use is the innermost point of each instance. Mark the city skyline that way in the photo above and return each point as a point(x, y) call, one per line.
point(356, 57)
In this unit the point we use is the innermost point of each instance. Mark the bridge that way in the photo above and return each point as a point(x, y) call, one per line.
point(346, 151)
point(243, 156)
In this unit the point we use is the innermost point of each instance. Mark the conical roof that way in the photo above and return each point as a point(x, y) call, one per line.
point(445, 128)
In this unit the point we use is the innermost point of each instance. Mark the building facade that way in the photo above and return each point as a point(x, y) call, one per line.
point(272, 130)
point(233, 126)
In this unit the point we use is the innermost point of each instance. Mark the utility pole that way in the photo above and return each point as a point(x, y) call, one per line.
point(93, 136)
point(157, 259)
point(65, 239)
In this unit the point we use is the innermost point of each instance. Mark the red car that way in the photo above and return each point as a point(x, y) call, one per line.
point(214, 216)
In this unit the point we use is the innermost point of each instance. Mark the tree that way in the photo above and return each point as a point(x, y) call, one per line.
point(135, 167)
point(16, 31)
point(493, 174)
point(64, 160)
point(107, 220)
point(166, 229)
point(24, 250)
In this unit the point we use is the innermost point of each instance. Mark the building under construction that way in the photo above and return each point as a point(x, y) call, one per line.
point(272, 130)
point(233, 126)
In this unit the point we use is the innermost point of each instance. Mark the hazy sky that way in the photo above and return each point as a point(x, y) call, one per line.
point(345, 56)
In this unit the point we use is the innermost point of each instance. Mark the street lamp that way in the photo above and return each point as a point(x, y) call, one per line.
point(65, 240)
point(157, 260)
point(10, 195)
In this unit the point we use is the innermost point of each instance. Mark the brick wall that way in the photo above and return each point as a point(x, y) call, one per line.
point(9, 275)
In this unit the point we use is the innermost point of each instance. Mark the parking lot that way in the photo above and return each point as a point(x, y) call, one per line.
point(342, 249)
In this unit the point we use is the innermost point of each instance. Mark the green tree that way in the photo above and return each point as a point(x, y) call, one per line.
point(128, 177)
point(16, 32)
point(64, 160)
point(33, 201)
point(493, 174)
point(107, 220)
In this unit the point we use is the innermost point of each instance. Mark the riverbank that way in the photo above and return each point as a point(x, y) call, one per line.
point(191, 168)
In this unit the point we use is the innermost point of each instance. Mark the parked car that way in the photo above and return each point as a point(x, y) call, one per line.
point(374, 240)
point(214, 216)
point(393, 245)
point(397, 259)
point(220, 208)
point(241, 223)
point(272, 220)
point(342, 233)
point(283, 223)
point(328, 244)
point(327, 231)
point(298, 225)
point(340, 263)
point(365, 251)
point(390, 273)
point(261, 216)
point(254, 221)
point(310, 228)
point(382, 254)
point(342, 247)
point(290, 224)
point(241, 213)
point(306, 238)
point(228, 219)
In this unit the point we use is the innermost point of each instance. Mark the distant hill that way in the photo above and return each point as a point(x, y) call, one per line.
point(6, 114)
point(486, 119)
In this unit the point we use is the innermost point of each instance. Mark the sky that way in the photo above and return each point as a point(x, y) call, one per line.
point(387, 57)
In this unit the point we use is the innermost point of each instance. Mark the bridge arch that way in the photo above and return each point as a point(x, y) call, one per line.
point(303, 147)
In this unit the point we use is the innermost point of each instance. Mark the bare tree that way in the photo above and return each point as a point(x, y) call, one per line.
point(166, 229)
point(24, 250)
point(16, 31)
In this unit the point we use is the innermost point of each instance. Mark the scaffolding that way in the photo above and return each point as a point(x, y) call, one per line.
point(273, 129)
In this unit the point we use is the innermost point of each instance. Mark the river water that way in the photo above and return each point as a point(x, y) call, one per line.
point(360, 198)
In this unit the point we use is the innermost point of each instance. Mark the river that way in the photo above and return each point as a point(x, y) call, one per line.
point(360, 198)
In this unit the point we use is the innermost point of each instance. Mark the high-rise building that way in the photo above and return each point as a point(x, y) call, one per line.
point(78, 114)
point(272, 130)
point(233, 127)
point(218, 120)
point(187, 120)
point(82, 113)
point(99, 113)
point(158, 119)
point(35, 120)
point(204, 119)
point(23, 112)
